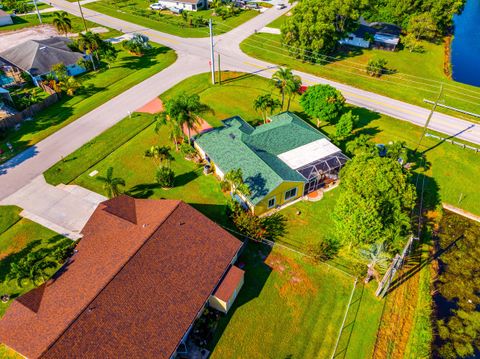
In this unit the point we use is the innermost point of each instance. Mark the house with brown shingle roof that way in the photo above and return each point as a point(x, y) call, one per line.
point(141, 275)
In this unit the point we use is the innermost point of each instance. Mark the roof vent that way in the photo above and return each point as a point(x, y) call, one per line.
point(182, 223)
point(43, 48)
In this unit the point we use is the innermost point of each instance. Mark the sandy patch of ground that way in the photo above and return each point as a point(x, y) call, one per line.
point(13, 38)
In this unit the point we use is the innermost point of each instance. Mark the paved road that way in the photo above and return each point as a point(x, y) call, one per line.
point(193, 58)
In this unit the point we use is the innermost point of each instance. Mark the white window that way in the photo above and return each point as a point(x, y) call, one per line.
point(290, 193)
point(271, 202)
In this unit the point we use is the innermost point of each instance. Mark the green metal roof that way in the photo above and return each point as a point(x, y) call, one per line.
point(255, 150)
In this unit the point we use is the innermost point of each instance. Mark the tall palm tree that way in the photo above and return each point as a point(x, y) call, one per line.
point(90, 43)
point(185, 109)
point(377, 259)
point(174, 130)
point(62, 22)
point(111, 184)
point(264, 103)
point(293, 86)
point(160, 155)
point(280, 80)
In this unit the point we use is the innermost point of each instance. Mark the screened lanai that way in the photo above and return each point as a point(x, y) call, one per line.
point(322, 172)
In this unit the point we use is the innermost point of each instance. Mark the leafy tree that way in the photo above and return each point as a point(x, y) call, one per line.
point(32, 268)
point(460, 334)
point(234, 179)
point(411, 43)
point(420, 26)
point(174, 128)
point(324, 250)
point(374, 203)
point(108, 52)
point(185, 110)
point(345, 125)
point(165, 177)
point(160, 155)
point(377, 260)
point(111, 185)
point(60, 71)
point(138, 44)
point(264, 104)
point(322, 102)
point(316, 26)
point(90, 43)
point(376, 66)
point(362, 144)
point(62, 22)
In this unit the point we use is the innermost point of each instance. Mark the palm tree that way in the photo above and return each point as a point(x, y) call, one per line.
point(111, 184)
point(185, 109)
point(377, 259)
point(293, 86)
point(70, 85)
point(62, 22)
point(32, 268)
point(174, 129)
point(266, 102)
point(90, 43)
point(235, 180)
point(280, 80)
point(159, 154)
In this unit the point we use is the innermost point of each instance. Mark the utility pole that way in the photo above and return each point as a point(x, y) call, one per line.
point(38, 12)
point(212, 55)
point(430, 117)
point(219, 71)
point(83, 17)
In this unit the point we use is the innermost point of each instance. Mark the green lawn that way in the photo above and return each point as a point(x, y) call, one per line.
point(18, 237)
point(418, 75)
point(21, 22)
point(98, 87)
point(138, 12)
point(288, 308)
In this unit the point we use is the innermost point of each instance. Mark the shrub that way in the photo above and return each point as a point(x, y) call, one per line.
point(187, 150)
point(376, 67)
point(324, 250)
point(165, 177)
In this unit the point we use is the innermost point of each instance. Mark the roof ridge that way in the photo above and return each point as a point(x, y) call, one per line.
point(109, 281)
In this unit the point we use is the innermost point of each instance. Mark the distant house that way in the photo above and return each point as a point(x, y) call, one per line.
point(5, 18)
point(189, 5)
point(36, 57)
point(281, 161)
point(376, 34)
point(142, 274)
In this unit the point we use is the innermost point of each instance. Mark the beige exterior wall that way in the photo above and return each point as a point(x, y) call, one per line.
point(223, 306)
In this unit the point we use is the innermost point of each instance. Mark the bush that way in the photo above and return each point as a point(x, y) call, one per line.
point(187, 150)
point(376, 67)
point(165, 177)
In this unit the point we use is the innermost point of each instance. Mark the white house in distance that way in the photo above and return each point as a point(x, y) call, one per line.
point(189, 5)
point(5, 18)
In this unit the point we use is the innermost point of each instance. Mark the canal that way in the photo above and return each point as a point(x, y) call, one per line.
point(465, 55)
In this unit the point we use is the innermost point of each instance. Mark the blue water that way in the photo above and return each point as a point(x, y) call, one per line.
point(466, 45)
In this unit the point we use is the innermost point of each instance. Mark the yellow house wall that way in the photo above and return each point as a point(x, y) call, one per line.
point(279, 194)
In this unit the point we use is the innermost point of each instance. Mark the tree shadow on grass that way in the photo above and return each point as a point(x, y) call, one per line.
point(144, 190)
point(185, 178)
point(256, 275)
point(216, 212)
point(148, 60)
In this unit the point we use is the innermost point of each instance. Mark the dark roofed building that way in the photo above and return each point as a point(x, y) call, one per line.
point(38, 56)
point(378, 34)
point(142, 274)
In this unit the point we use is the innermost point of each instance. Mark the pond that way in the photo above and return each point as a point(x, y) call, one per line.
point(465, 54)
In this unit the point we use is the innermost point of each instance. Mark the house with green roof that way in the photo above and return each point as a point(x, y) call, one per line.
point(281, 161)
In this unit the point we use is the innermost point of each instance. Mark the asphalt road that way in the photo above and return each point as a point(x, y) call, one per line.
point(193, 58)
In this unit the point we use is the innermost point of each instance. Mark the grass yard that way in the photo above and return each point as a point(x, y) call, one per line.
point(98, 87)
point(138, 12)
point(18, 237)
point(410, 83)
point(21, 22)
point(288, 308)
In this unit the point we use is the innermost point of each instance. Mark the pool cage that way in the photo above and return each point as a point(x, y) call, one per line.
point(322, 172)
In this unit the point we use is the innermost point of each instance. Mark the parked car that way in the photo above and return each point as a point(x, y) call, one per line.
point(175, 10)
point(157, 6)
point(280, 6)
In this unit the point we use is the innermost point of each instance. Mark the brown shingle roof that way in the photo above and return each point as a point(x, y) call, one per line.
point(229, 284)
point(131, 290)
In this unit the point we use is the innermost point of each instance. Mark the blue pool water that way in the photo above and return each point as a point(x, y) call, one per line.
point(466, 45)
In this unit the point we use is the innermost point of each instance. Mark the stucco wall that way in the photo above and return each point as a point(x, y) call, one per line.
point(279, 194)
